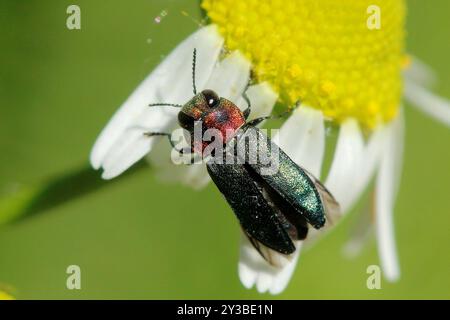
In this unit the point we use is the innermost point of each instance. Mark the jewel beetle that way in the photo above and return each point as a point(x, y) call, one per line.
point(274, 210)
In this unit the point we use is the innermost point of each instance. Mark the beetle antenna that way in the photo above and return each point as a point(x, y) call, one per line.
point(194, 62)
point(165, 105)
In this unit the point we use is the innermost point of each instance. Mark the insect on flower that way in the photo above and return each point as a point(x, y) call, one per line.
point(276, 208)
point(353, 78)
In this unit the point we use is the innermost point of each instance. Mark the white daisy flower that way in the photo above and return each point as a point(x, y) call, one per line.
point(324, 55)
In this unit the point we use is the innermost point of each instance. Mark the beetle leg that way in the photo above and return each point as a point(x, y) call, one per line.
point(184, 151)
point(169, 136)
point(193, 159)
point(257, 121)
point(247, 100)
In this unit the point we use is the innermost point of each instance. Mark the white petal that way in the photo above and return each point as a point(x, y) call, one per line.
point(254, 270)
point(420, 73)
point(433, 105)
point(302, 137)
point(229, 79)
point(370, 161)
point(262, 98)
point(360, 233)
point(264, 281)
point(386, 189)
point(249, 263)
point(131, 146)
point(354, 163)
point(282, 278)
point(195, 175)
point(121, 144)
point(346, 166)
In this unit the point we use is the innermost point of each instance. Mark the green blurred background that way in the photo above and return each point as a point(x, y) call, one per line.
point(139, 238)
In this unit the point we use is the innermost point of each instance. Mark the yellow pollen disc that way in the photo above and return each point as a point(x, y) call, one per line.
point(343, 57)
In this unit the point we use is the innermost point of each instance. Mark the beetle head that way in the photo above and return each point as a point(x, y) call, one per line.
point(213, 112)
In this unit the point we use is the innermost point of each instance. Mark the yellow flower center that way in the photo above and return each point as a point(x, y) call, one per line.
point(343, 57)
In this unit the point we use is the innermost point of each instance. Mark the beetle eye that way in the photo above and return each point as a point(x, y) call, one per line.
point(186, 121)
point(212, 99)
